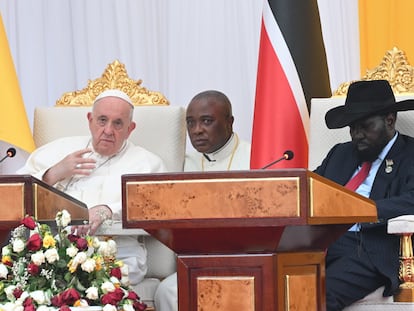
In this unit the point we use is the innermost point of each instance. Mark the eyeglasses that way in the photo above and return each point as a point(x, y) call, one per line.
point(117, 124)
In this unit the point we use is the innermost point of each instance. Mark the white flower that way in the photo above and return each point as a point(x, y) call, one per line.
point(124, 268)
point(77, 260)
point(51, 255)
point(107, 287)
point(89, 265)
point(9, 292)
point(3, 271)
point(124, 273)
point(38, 258)
point(5, 251)
point(65, 218)
point(92, 293)
point(127, 307)
point(82, 303)
point(109, 307)
point(43, 308)
point(112, 247)
point(23, 297)
point(96, 242)
point(11, 306)
point(104, 249)
point(40, 297)
point(80, 258)
point(71, 251)
point(18, 245)
point(114, 280)
point(107, 248)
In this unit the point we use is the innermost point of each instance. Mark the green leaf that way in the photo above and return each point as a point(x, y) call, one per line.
point(79, 286)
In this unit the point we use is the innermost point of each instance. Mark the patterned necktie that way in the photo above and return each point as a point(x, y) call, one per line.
point(355, 181)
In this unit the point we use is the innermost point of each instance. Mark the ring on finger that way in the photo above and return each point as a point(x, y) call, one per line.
point(78, 165)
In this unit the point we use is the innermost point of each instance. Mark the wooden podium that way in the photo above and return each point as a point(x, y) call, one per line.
point(245, 240)
point(23, 195)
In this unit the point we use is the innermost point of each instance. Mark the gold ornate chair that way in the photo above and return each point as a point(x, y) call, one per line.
point(160, 129)
point(395, 68)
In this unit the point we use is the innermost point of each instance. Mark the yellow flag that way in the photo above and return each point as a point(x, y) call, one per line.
point(14, 125)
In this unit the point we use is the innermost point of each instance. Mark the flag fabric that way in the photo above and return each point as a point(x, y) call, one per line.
point(15, 128)
point(383, 25)
point(292, 69)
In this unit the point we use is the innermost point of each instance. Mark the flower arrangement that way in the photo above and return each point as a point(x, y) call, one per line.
point(43, 271)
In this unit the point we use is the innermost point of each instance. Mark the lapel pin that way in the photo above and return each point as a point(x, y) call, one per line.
point(388, 165)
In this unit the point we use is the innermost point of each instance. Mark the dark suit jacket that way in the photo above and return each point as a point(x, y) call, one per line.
point(392, 192)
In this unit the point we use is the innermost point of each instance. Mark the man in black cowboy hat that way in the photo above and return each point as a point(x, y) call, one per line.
point(366, 257)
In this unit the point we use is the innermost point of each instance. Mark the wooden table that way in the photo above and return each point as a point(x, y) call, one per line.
point(246, 240)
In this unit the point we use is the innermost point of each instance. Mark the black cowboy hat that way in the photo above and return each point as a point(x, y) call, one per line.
point(365, 99)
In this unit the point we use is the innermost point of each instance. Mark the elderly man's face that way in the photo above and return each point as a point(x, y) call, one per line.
point(371, 135)
point(209, 124)
point(110, 125)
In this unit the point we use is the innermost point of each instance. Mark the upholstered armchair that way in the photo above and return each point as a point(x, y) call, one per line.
point(394, 68)
point(160, 129)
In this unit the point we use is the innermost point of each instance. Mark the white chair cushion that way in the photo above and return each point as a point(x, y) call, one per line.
point(373, 299)
point(401, 224)
point(322, 139)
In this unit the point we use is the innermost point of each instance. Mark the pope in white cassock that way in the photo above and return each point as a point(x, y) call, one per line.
point(89, 168)
point(209, 121)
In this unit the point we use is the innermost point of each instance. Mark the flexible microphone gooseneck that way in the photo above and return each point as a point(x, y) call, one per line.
point(287, 155)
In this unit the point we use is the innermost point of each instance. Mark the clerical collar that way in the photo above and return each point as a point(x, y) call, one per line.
point(225, 151)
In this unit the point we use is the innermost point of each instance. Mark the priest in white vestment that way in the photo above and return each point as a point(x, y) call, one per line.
point(209, 121)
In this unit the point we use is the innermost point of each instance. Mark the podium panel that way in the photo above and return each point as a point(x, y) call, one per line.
point(245, 240)
point(26, 195)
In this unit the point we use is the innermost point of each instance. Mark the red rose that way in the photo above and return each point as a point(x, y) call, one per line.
point(116, 272)
point(113, 298)
point(29, 305)
point(29, 222)
point(139, 306)
point(132, 295)
point(108, 299)
point(34, 243)
point(33, 269)
point(73, 237)
point(57, 301)
point(28, 301)
point(17, 292)
point(69, 296)
point(82, 244)
point(64, 308)
point(30, 308)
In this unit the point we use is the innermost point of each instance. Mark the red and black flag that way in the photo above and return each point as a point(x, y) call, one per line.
point(292, 70)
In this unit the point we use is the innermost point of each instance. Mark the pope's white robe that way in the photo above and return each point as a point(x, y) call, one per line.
point(102, 186)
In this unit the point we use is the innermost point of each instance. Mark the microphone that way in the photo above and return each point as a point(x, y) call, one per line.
point(11, 152)
point(287, 155)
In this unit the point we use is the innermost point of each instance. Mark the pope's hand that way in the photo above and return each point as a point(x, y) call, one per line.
point(97, 215)
point(73, 164)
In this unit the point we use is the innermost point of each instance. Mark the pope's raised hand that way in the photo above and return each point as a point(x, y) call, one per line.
point(76, 163)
